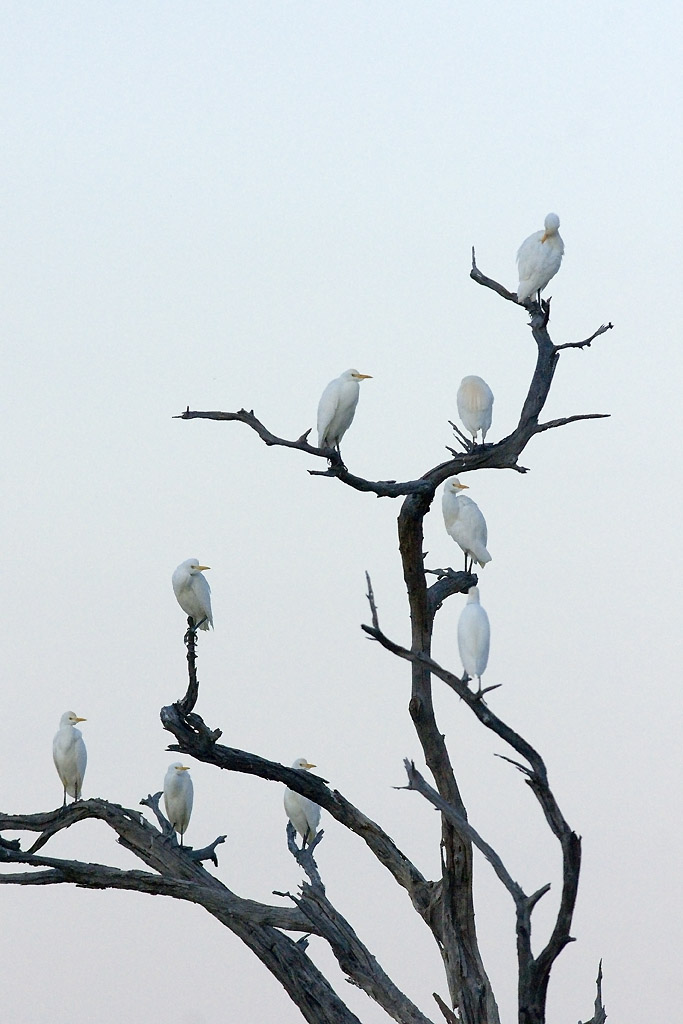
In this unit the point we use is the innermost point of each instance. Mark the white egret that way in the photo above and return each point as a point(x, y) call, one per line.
point(337, 407)
point(178, 793)
point(539, 258)
point(475, 406)
point(474, 636)
point(302, 812)
point(193, 592)
point(70, 755)
point(465, 523)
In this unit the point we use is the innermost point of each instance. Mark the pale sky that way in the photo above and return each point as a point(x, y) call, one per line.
point(226, 205)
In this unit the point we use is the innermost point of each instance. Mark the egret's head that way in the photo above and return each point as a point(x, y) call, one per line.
point(355, 375)
point(180, 767)
point(454, 485)
point(303, 764)
point(473, 594)
point(194, 567)
point(70, 718)
point(551, 225)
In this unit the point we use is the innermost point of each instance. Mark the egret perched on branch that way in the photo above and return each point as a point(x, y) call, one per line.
point(474, 636)
point(337, 407)
point(465, 523)
point(475, 406)
point(193, 592)
point(539, 258)
point(302, 812)
point(178, 793)
point(70, 755)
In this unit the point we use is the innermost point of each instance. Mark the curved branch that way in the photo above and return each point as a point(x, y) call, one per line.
point(534, 982)
point(587, 342)
point(488, 282)
point(422, 893)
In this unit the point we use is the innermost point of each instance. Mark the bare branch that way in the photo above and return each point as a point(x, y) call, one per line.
point(449, 582)
point(448, 1014)
point(304, 856)
point(470, 697)
point(467, 443)
point(353, 956)
point(599, 1017)
point(487, 282)
point(551, 424)
point(587, 342)
point(207, 852)
point(422, 893)
point(417, 782)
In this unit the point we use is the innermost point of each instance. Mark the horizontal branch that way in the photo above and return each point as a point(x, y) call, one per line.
point(176, 872)
point(551, 424)
point(586, 343)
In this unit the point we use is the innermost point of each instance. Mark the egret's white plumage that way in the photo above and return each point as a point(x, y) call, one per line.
point(539, 258)
point(193, 592)
point(465, 523)
point(302, 812)
point(337, 407)
point(475, 406)
point(474, 636)
point(178, 794)
point(70, 755)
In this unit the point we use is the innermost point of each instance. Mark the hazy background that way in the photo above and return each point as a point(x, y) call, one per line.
point(226, 205)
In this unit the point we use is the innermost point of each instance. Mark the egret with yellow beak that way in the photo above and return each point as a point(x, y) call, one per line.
point(337, 407)
point(302, 812)
point(193, 592)
point(465, 523)
point(178, 795)
point(70, 755)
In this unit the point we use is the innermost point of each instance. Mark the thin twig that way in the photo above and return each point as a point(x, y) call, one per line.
point(587, 342)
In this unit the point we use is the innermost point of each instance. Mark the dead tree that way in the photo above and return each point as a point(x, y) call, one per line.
point(445, 904)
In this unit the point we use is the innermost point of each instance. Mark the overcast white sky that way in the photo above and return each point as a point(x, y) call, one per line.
point(226, 205)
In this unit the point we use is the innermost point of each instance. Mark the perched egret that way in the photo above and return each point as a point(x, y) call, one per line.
point(465, 523)
point(337, 407)
point(302, 812)
point(539, 259)
point(178, 792)
point(70, 755)
point(474, 636)
point(475, 406)
point(193, 592)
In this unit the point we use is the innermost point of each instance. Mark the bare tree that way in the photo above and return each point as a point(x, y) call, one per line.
point(445, 904)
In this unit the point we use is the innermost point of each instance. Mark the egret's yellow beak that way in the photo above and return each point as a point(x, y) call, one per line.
point(184, 768)
point(307, 765)
point(363, 376)
point(77, 719)
point(545, 235)
point(462, 487)
point(203, 568)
